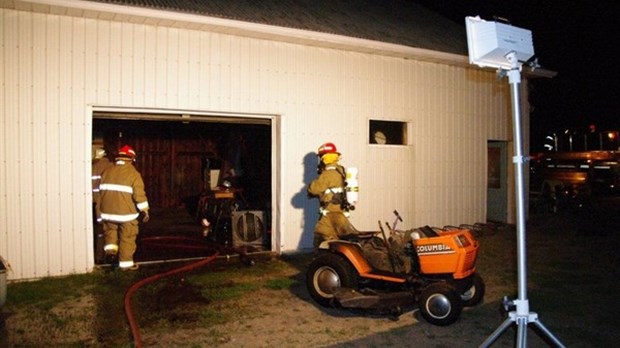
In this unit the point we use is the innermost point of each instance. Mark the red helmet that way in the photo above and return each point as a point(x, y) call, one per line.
point(126, 152)
point(327, 148)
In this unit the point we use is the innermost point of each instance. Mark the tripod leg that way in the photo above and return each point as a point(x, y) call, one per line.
point(498, 332)
point(548, 333)
point(522, 332)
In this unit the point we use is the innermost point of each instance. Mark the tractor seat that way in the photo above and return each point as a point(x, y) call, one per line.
point(427, 231)
point(358, 235)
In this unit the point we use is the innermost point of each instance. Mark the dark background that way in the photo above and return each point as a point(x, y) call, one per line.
point(578, 40)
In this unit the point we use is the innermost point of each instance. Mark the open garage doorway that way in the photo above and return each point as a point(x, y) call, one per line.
point(208, 179)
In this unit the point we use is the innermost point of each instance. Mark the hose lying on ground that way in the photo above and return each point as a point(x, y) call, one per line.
point(186, 268)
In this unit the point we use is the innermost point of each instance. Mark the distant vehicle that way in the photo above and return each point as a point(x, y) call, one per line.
point(576, 167)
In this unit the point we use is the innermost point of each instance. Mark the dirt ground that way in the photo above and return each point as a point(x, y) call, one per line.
point(568, 257)
point(571, 287)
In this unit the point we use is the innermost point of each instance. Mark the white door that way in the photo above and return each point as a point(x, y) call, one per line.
point(497, 186)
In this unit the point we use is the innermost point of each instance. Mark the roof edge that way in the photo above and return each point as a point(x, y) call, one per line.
point(117, 12)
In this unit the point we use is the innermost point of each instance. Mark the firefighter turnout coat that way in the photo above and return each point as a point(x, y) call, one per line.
point(121, 193)
point(329, 187)
point(98, 167)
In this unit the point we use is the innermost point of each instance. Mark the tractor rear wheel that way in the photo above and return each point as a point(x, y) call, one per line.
point(326, 274)
point(440, 304)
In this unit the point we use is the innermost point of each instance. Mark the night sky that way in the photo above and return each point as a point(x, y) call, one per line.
point(578, 40)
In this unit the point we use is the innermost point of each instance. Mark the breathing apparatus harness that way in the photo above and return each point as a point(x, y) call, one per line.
point(339, 194)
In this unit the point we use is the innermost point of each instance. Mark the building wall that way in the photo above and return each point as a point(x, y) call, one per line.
point(56, 66)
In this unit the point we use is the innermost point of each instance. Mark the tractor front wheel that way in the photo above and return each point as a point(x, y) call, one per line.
point(440, 304)
point(475, 294)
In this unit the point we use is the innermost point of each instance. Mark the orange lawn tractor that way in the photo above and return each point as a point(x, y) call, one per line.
point(432, 268)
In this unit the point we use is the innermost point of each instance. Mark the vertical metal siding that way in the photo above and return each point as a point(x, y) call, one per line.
point(41, 239)
point(55, 66)
point(5, 109)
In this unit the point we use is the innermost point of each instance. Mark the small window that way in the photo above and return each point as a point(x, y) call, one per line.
point(388, 133)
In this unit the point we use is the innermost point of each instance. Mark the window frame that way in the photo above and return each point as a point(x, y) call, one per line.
point(391, 129)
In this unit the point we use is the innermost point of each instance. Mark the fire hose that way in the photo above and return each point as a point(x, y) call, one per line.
point(186, 268)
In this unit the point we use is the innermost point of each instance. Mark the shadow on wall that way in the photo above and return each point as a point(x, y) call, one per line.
point(310, 206)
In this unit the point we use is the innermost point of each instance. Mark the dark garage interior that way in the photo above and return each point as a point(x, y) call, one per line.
point(208, 181)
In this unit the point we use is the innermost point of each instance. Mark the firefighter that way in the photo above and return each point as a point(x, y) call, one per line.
point(329, 187)
point(122, 198)
point(100, 163)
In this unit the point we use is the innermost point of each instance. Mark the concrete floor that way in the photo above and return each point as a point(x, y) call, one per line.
point(175, 234)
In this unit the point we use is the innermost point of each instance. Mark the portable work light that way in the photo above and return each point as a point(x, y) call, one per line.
point(506, 48)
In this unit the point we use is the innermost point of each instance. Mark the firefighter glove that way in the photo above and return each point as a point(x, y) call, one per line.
point(145, 217)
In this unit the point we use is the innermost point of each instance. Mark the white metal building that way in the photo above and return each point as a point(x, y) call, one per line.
point(64, 60)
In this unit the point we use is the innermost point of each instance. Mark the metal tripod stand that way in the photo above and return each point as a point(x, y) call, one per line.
point(521, 316)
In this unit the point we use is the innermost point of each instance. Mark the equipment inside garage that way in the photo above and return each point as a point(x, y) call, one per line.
point(207, 179)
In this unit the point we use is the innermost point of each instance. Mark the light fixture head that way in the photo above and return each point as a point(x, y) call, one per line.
point(490, 43)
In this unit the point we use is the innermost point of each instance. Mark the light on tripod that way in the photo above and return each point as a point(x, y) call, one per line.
point(507, 48)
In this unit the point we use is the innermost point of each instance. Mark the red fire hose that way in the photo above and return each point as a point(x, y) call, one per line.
point(127, 301)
